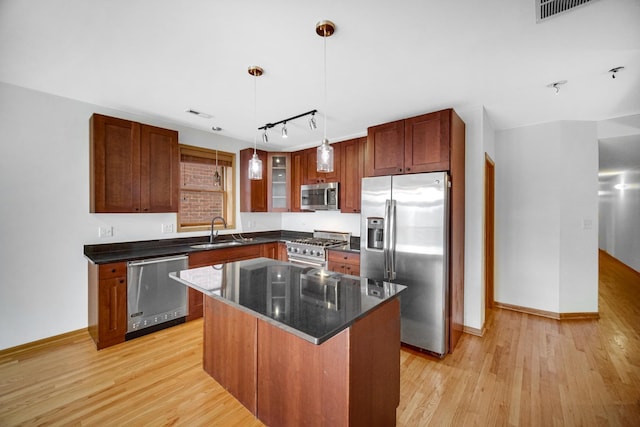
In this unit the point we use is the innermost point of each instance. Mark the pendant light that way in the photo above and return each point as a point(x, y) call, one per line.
point(324, 154)
point(217, 180)
point(255, 164)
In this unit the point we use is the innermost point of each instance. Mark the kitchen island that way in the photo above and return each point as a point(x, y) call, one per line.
point(301, 346)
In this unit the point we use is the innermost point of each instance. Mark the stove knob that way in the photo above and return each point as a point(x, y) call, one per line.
point(297, 250)
point(304, 252)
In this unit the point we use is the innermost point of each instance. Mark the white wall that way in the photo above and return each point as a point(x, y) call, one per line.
point(44, 188)
point(478, 132)
point(546, 197)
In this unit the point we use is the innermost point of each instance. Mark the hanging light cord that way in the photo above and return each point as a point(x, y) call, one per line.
point(255, 112)
point(325, 87)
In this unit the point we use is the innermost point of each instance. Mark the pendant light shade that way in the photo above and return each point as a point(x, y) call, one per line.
point(324, 157)
point(255, 164)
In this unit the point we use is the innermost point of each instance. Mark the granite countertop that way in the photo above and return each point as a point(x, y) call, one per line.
point(127, 251)
point(310, 303)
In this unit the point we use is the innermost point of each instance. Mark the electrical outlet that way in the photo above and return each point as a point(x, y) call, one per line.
point(167, 228)
point(105, 232)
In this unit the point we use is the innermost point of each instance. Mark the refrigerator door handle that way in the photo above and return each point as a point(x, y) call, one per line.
point(386, 240)
point(392, 240)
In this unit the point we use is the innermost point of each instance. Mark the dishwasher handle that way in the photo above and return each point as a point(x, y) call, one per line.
point(156, 260)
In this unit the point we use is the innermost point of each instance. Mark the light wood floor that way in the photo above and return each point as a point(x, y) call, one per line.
point(526, 370)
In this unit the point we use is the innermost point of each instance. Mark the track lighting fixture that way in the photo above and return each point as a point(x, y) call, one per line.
point(265, 137)
point(255, 164)
point(285, 133)
point(312, 122)
point(556, 85)
point(613, 71)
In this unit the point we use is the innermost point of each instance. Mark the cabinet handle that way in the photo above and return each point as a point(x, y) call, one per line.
point(113, 270)
point(344, 257)
point(121, 280)
point(399, 169)
point(408, 169)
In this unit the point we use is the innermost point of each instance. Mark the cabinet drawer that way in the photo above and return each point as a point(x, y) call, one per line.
point(108, 271)
point(344, 257)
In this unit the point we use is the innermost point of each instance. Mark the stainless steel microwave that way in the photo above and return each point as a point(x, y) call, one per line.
point(319, 197)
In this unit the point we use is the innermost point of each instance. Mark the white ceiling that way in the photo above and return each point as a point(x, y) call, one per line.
point(386, 61)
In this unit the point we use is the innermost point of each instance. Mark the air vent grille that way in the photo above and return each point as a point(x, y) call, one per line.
point(546, 9)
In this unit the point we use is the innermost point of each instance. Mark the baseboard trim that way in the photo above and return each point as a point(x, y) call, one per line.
point(548, 314)
point(473, 331)
point(49, 341)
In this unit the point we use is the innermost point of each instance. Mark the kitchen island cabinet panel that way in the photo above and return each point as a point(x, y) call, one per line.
point(230, 357)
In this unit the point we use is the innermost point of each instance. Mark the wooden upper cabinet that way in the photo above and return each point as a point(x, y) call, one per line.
point(351, 174)
point(253, 193)
point(134, 167)
point(159, 169)
point(384, 153)
point(414, 145)
point(426, 143)
point(297, 179)
point(279, 182)
point(312, 176)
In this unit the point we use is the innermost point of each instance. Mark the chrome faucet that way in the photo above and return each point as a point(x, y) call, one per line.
point(213, 237)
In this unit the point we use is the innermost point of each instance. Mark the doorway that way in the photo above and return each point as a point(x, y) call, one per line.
point(489, 237)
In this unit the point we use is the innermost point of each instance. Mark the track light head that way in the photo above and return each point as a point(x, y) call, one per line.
point(265, 137)
point(613, 71)
point(285, 133)
point(312, 122)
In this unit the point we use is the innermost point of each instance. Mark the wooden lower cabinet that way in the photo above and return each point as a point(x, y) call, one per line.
point(344, 262)
point(107, 303)
point(269, 250)
point(282, 252)
point(287, 381)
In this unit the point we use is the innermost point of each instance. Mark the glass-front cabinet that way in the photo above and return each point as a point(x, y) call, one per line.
point(278, 185)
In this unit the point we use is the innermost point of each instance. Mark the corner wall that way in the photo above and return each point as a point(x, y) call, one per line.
point(546, 217)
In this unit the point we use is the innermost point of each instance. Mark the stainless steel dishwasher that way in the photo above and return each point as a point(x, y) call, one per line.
point(154, 301)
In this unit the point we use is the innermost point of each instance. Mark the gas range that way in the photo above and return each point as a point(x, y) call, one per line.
point(312, 250)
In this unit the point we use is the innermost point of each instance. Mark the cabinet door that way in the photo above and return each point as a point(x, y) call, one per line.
point(112, 311)
point(269, 250)
point(426, 143)
point(115, 165)
point(159, 169)
point(253, 193)
point(282, 252)
point(278, 182)
point(384, 152)
point(312, 176)
point(297, 172)
point(351, 174)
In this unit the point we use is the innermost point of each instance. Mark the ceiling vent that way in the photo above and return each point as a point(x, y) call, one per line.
point(546, 9)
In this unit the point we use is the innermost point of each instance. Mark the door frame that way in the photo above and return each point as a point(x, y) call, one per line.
point(489, 230)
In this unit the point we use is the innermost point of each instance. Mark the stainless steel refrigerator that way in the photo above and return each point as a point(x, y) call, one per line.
point(404, 236)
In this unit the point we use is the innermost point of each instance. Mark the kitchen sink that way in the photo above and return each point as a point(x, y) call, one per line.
point(215, 245)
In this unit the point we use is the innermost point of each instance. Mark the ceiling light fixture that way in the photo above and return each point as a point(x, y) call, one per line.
point(312, 121)
point(255, 164)
point(285, 132)
point(199, 113)
point(265, 137)
point(324, 155)
point(556, 85)
point(613, 71)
